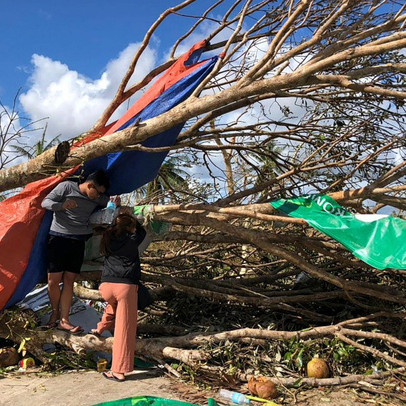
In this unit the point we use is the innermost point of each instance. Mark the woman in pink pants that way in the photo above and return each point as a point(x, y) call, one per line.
point(119, 288)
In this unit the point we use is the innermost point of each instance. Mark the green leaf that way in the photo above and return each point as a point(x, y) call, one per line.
point(287, 356)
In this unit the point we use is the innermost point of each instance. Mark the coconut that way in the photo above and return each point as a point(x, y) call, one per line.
point(317, 368)
point(8, 357)
point(252, 385)
point(262, 387)
point(267, 390)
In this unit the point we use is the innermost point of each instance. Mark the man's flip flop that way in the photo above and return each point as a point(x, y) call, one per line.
point(111, 377)
point(73, 330)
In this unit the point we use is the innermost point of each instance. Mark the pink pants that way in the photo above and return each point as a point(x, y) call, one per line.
point(120, 315)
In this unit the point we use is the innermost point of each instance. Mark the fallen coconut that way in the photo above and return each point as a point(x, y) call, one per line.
point(317, 368)
point(8, 357)
point(262, 387)
point(252, 385)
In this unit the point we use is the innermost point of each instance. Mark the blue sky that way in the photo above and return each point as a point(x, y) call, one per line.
point(84, 34)
point(69, 57)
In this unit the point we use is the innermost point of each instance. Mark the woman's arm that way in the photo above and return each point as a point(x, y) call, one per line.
point(139, 234)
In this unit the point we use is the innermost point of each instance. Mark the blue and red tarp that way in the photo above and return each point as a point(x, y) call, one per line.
point(24, 225)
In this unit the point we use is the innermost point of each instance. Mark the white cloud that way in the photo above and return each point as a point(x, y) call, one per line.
point(71, 101)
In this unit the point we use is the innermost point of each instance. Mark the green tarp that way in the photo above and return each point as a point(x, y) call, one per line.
point(150, 401)
point(378, 240)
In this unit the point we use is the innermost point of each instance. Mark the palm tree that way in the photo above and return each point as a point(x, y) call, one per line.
point(41, 146)
point(170, 178)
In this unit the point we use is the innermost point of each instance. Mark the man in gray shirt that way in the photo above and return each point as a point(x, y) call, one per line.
point(72, 205)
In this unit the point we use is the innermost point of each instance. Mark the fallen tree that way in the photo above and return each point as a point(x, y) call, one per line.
point(308, 98)
point(193, 349)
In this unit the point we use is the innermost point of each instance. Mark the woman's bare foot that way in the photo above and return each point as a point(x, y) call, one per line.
point(114, 376)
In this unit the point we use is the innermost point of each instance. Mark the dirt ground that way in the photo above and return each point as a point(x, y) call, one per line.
point(80, 388)
point(89, 388)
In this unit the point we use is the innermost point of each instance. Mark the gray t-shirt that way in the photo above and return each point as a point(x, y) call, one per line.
point(72, 221)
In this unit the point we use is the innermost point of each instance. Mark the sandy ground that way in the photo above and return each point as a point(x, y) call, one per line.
point(80, 388)
point(89, 388)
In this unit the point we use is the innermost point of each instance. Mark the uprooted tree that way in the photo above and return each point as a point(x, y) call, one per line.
point(308, 97)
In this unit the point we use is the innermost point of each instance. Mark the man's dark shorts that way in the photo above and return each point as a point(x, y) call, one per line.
point(65, 254)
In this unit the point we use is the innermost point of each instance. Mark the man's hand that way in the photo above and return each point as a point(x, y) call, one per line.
point(69, 204)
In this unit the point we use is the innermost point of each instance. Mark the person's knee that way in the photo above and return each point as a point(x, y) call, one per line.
point(69, 278)
point(54, 281)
